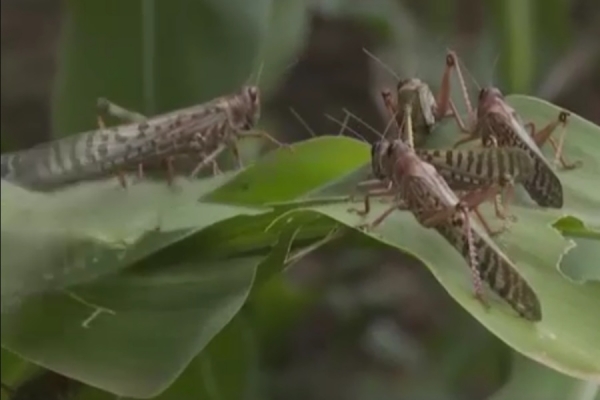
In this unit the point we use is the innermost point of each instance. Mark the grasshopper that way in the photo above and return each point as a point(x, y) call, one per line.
point(503, 167)
point(427, 109)
point(423, 191)
point(484, 170)
point(495, 122)
point(204, 130)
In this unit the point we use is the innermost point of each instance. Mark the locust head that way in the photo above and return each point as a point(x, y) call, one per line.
point(416, 92)
point(390, 159)
point(244, 109)
point(382, 158)
point(488, 98)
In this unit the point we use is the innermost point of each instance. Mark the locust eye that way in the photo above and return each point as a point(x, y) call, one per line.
point(374, 149)
point(390, 150)
point(401, 83)
point(482, 93)
point(252, 92)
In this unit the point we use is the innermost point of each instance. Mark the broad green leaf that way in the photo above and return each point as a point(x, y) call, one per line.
point(530, 380)
point(79, 234)
point(566, 338)
point(15, 371)
point(286, 174)
point(171, 305)
point(132, 334)
point(226, 369)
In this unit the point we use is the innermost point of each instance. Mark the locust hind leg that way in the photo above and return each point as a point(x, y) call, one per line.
point(108, 108)
point(478, 291)
point(540, 137)
point(459, 221)
point(470, 201)
point(506, 193)
point(469, 128)
point(444, 106)
point(120, 174)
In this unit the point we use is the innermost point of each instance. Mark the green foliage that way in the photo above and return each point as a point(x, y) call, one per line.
point(187, 266)
point(145, 292)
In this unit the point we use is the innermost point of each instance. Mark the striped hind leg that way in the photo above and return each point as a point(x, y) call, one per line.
point(540, 137)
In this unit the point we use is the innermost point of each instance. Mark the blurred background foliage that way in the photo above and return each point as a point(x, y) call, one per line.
point(343, 323)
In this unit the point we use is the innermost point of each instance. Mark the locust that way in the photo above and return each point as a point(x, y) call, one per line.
point(491, 170)
point(464, 171)
point(494, 122)
point(424, 192)
point(204, 131)
point(427, 109)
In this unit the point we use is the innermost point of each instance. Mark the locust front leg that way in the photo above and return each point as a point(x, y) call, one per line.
point(386, 191)
point(545, 135)
point(392, 107)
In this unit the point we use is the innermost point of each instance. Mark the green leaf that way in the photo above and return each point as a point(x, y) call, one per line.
point(134, 333)
point(15, 371)
point(227, 369)
point(56, 240)
point(565, 339)
point(573, 227)
point(284, 175)
point(170, 305)
point(533, 381)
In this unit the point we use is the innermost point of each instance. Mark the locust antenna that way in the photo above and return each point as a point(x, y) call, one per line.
point(380, 62)
point(302, 122)
point(345, 126)
point(494, 65)
point(375, 131)
point(259, 72)
point(292, 64)
point(473, 79)
point(391, 122)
